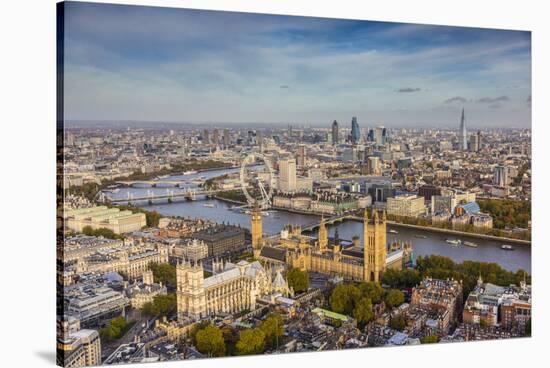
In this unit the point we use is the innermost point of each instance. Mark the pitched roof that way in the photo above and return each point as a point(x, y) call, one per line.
point(273, 253)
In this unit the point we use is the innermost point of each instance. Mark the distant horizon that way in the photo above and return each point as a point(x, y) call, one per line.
point(184, 66)
point(297, 125)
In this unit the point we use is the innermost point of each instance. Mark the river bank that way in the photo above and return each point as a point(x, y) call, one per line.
point(424, 228)
point(409, 226)
point(426, 241)
point(461, 233)
point(452, 232)
point(229, 200)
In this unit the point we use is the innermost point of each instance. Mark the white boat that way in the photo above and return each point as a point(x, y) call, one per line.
point(506, 247)
point(164, 176)
point(454, 242)
point(210, 205)
point(392, 231)
point(420, 236)
point(190, 172)
point(470, 244)
point(265, 213)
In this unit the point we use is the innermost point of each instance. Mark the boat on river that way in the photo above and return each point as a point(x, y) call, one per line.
point(454, 242)
point(392, 231)
point(190, 172)
point(506, 247)
point(420, 236)
point(470, 244)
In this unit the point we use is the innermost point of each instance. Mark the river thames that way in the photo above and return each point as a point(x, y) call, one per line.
point(424, 242)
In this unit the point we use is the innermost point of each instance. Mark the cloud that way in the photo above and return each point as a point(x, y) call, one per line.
point(491, 100)
point(455, 99)
point(185, 66)
point(408, 90)
point(494, 106)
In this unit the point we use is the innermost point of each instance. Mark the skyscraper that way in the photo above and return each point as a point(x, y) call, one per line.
point(334, 132)
point(215, 136)
point(226, 138)
point(501, 176)
point(370, 135)
point(355, 131)
point(301, 156)
point(380, 135)
point(463, 134)
point(205, 137)
point(287, 175)
point(474, 142)
point(479, 143)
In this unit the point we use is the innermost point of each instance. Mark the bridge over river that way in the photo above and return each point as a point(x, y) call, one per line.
point(191, 194)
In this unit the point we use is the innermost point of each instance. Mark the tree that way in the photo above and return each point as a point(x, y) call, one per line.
point(363, 311)
point(162, 305)
point(430, 339)
point(468, 271)
point(116, 328)
point(164, 272)
point(507, 212)
point(399, 279)
point(343, 298)
point(298, 280)
point(372, 291)
point(104, 232)
point(196, 328)
point(251, 341)
point(395, 298)
point(273, 329)
point(210, 341)
point(152, 218)
point(231, 337)
point(87, 230)
point(398, 322)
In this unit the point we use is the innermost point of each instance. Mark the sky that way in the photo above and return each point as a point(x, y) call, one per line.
point(164, 64)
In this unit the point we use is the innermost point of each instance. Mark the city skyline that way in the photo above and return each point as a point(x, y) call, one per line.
point(270, 68)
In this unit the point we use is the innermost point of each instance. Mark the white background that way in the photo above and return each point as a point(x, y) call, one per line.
point(27, 196)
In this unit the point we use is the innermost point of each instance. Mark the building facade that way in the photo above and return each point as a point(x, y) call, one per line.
point(287, 175)
point(463, 134)
point(334, 131)
point(442, 298)
point(103, 217)
point(406, 206)
point(222, 239)
point(81, 348)
point(332, 256)
point(355, 131)
point(232, 289)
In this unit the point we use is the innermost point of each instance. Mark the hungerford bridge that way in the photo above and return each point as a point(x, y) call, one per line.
point(153, 183)
point(189, 194)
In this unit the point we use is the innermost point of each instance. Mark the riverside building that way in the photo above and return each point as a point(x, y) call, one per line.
point(334, 256)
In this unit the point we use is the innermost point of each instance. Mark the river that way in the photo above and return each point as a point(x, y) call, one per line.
point(433, 243)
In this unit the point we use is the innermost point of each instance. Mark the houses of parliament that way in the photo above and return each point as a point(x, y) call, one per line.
point(236, 287)
point(331, 256)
